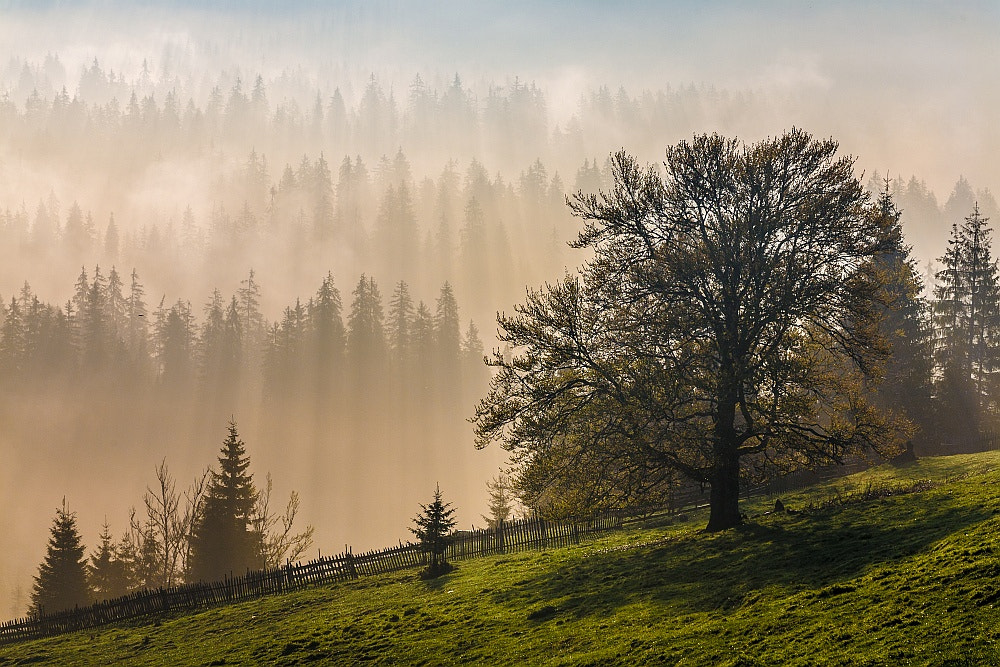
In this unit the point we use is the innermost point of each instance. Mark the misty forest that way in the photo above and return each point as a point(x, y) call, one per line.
point(274, 266)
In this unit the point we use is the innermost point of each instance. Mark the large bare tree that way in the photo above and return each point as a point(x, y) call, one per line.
point(726, 318)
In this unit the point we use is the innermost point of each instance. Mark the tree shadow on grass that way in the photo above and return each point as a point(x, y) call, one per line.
point(715, 572)
point(440, 581)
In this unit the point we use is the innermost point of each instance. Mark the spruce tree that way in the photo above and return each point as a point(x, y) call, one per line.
point(326, 333)
point(148, 566)
point(75, 234)
point(94, 326)
point(433, 529)
point(448, 337)
point(907, 385)
point(232, 348)
point(115, 309)
point(210, 340)
point(475, 254)
point(400, 321)
point(253, 326)
point(106, 571)
point(967, 315)
point(475, 373)
point(446, 324)
point(423, 346)
point(223, 541)
point(277, 363)
point(366, 344)
point(324, 217)
point(137, 334)
point(128, 558)
point(13, 343)
point(61, 582)
point(175, 342)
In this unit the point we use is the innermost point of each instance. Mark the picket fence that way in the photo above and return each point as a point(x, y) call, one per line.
point(524, 534)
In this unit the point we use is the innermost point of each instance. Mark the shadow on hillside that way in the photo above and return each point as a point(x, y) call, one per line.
point(439, 582)
point(718, 572)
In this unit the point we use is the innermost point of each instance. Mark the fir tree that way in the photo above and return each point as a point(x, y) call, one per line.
point(400, 321)
point(146, 566)
point(473, 358)
point(12, 342)
point(423, 343)
point(175, 343)
point(61, 582)
point(446, 324)
point(232, 346)
point(127, 553)
point(907, 385)
point(78, 232)
point(115, 308)
point(94, 325)
point(137, 336)
point(433, 529)
point(323, 209)
point(967, 315)
point(395, 232)
point(210, 339)
point(252, 322)
point(281, 357)
point(223, 542)
point(326, 337)
point(475, 254)
point(111, 240)
point(366, 332)
point(106, 571)
point(448, 337)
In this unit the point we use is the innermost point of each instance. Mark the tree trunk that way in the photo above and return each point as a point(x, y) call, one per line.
point(725, 497)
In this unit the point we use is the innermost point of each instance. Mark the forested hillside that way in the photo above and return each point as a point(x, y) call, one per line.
point(302, 222)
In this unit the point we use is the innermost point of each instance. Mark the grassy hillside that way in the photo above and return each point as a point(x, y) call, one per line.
point(860, 578)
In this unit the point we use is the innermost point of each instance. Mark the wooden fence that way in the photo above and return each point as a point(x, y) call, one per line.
point(508, 537)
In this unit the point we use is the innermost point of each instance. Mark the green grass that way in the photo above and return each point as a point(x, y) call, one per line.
point(912, 578)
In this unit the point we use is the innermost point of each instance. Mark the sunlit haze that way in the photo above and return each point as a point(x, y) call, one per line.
point(363, 144)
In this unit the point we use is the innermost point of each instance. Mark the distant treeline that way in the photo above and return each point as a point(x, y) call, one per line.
point(441, 183)
point(107, 336)
point(174, 112)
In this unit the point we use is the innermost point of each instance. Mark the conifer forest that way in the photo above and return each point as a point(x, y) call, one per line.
point(304, 263)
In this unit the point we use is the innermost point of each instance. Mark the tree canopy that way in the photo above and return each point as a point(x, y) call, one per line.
point(727, 320)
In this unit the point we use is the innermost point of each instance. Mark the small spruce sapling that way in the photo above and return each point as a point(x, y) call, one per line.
point(433, 529)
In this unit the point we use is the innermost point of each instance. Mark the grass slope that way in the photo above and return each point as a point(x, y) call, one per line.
point(906, 579)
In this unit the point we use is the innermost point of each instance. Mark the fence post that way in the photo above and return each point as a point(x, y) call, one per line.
point(352, 571)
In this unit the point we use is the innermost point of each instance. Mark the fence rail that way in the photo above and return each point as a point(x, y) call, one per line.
point(520, 535)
